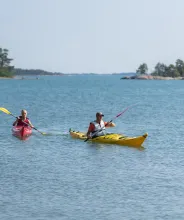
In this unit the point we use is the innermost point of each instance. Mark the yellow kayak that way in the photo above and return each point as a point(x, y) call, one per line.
point(112, 139)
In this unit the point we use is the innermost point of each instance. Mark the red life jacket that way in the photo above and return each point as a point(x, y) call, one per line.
point(21, 122)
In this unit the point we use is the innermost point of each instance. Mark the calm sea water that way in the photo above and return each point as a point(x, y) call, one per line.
point(57, 177)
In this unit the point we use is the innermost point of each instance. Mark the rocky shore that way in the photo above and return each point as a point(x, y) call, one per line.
point(6, 77)
point(150, 77)
point(20, 78)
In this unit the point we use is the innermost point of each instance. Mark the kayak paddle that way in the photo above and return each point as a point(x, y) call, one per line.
point(9, 113)
point(110, 121)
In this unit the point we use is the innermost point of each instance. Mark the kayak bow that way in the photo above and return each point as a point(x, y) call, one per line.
point(21, 132)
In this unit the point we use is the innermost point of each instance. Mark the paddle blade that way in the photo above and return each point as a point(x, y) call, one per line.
point(86, 139)
point(43, 133)
point(5, 111)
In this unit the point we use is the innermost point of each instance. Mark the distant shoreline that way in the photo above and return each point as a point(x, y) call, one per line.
point(1, 77)
point(20, 78)
point(135, 77)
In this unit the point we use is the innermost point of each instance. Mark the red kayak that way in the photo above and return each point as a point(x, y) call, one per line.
point(21, 132)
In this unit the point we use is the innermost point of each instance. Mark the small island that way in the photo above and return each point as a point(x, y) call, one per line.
point(161, 72)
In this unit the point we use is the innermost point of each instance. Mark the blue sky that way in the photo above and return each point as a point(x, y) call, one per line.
point(99, 36)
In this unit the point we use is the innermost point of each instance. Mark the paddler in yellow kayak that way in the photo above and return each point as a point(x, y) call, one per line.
point(97, 127)
point(23, 120)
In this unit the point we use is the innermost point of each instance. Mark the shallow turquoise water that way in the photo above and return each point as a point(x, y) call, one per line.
point(56, 177)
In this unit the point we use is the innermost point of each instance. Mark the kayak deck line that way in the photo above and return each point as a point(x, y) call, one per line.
point(112, 138)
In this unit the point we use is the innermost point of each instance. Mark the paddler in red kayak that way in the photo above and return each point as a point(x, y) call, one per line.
point(97, 127)
point(23, 120)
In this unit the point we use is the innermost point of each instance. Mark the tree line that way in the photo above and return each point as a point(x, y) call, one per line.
point(163, 70)
point(34, 72)
point(6, 70)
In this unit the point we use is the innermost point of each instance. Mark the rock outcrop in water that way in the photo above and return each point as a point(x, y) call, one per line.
point(150, 77)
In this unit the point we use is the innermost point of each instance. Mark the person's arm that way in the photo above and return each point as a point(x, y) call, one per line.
point(90, 129)
point(30, 123)
point(109, 124)
point(15, 122)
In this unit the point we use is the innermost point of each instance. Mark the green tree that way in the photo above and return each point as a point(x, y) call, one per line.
point(160, 70)
point(5, 68)
point(180, 67)
point(172, 71)
point(143, 69)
